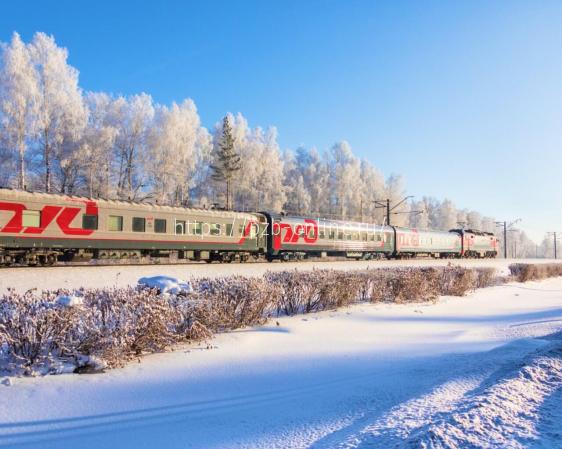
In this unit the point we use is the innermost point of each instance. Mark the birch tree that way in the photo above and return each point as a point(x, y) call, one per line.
point(396, 192)
point(95, 148)
point(447, 216)
point(133, 118)
point(178, 147)
point(345, 180)
point(19, 100)
point(372, 190)
point(61, 111)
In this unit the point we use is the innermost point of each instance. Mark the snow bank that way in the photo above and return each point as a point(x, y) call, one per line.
point(166, 284)
point(502, 411)
point(503, 415)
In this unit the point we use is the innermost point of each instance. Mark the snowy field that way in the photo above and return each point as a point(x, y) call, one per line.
point(53, 278)
point(479, 371)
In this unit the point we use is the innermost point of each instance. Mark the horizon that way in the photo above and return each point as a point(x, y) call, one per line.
point(413, 89)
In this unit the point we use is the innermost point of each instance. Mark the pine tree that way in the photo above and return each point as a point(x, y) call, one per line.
point(227, 161)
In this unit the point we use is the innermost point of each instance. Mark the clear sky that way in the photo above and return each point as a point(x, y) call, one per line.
point(462, 98)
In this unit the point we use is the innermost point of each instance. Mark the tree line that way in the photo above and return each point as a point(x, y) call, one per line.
point(55, 137)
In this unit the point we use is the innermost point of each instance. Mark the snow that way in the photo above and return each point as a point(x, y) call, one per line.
point(69, 300)
point(165, 284)
point(478, 371)
point(74, 277)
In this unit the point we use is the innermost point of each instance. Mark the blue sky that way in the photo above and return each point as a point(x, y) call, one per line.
point(462, 98)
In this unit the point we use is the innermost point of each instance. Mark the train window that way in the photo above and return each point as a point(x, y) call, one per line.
point(198, 228)
point(322, 234)
point(340, 235)
point(160, 225)
point(180, 227)
point(31, 218)
point(215, 229)
point(115, 223)
point(229, 229)
point(332, 235)
point(364, 236)
point(90, 222)
point(349, 236)
point(139, 224)
point(241, 229)
point(379, 237)
point(311, 232)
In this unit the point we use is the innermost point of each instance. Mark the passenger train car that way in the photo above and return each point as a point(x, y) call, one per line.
point(41, 229)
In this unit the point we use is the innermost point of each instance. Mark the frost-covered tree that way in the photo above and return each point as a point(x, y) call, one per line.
point(315, 188)
point(269, 190)
point(94, 149)
point(227, 161)
point(61, 111)
point(447, 216)
point(474, 220)
point(546, 248)
point(178, 146)
point(258, 184)
point(489, 225)
point(420, 218)
point(372, 190)
point(396, 192)
point(298, 197)
point(133, 119)
point(344, 181)
point(19, 99)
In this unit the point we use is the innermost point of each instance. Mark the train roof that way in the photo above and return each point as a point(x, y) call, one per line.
point(419, 230)
point(473, 231)
point(329, 221)
point(23, 195)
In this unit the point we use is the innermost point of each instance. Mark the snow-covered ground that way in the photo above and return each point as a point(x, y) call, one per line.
point(52, 278)
point(467, 372)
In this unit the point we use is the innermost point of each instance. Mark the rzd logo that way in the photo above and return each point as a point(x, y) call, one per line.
point(63, 215)
point(284, 233)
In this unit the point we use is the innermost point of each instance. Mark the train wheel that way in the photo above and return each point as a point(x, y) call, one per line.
point(47, 261)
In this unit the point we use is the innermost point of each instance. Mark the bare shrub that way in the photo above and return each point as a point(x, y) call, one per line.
point(532, 272)
point(339, 288)
point(299, 292)
point(457, 281)
point(235, 301)
point(415, 285)
point(486, 277)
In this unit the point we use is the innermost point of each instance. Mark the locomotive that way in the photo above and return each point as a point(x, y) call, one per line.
point(41, 229)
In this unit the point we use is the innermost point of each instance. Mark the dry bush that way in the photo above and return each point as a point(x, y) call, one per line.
point(532, 272)
point(457, 281)
point(32, 329)
point(233, 302)
point(486, 277)
point(299, 292)
point(122, 323)
point(339, 288)
point(415, 285)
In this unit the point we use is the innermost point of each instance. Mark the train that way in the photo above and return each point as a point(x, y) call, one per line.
point(43, 229)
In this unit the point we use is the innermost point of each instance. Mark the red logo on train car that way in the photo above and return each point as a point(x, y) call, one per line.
point(293, 235)
point(62, 215)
